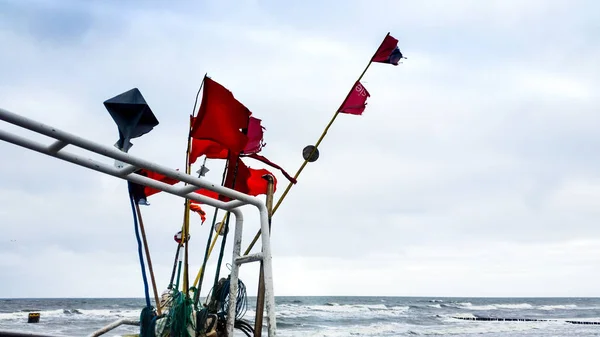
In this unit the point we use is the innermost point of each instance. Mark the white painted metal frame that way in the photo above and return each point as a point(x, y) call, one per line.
point(63, 139)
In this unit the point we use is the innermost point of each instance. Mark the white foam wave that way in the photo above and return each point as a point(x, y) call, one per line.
point(340, 311)
point(512, 306)
point(480, 328)
point(470, 306)
point(461, 315)
point(457, 328)
point(375, 329)
point(73, 314)
point(559, 307)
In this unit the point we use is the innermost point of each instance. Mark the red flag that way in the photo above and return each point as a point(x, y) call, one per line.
point(356, 101)
point(212, 150)
point(207, 193)
point(388, 51)
point(157, 176)
point(244, 179)
point(141, 192)
point(221, 118)
point(255, 136)
point(257, 184)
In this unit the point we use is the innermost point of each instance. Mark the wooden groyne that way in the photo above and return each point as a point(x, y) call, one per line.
point(500, 319)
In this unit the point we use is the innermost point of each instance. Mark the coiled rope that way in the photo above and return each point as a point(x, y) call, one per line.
point(241, 302)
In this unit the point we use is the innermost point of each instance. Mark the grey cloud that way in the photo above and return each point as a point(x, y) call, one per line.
point(481, 140)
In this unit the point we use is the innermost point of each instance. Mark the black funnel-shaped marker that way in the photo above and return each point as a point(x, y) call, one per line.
point(132, 115)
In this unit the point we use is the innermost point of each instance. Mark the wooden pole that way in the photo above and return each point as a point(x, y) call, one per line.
point(337, 112)
point(260, 297)
point(186, 214)
point(186, 224)
point(141, 222)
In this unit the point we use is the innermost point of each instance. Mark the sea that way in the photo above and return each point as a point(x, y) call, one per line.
point(337, 316)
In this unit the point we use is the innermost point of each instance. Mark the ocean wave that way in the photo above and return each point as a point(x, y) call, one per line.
point(510, 306)
point(560, 307)
point(345, 311)
point(71, 313)
point(481, 328)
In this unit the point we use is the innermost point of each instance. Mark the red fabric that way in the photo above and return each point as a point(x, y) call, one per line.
point(212, 150)
point(255, 136)
point(208, 193)
point(148, 191)
point(257, 184)
point(221, 118)
point(385, 49)
point(244, 179)
point(272, 164)
point(356, 101)
point(195, 207)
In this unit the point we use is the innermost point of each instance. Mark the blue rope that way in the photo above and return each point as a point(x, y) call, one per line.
point(241, 303)
point(139, 241)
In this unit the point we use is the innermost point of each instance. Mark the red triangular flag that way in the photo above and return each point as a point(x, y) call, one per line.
point(388, 51)
point(356, 101)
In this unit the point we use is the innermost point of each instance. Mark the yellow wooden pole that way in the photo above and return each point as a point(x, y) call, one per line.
point(337, 112)
point(186, 225)
point(186, 214)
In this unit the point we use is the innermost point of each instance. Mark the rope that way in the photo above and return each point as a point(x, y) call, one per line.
point(180, 315)
point(139, 242)
point(245, 327)
point(241, 302)
point(146, 322)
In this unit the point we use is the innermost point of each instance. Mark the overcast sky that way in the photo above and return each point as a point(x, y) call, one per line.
point(474, 170)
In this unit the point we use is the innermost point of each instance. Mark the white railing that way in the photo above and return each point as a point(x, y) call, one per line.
point(63, 139)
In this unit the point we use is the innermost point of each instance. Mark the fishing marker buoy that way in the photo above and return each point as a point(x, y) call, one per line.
point(220, 228)
point(307, 151)
point(177, 237)
point(33, 317)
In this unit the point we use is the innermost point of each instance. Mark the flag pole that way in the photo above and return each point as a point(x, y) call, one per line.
point(337, 112)
point(186, 214)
